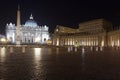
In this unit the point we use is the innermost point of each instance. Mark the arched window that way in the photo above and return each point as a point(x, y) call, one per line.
point(44, 39)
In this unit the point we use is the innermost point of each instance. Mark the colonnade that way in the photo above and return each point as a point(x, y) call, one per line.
point(89, 40)
point(114, 40)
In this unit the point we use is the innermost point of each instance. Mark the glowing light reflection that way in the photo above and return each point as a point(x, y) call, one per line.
point(37, 52)
point(37, 58)
point(118, 43)
point(2, 54)
point(83, 55)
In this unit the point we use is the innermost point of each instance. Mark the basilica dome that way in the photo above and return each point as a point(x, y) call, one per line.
point(31, 22)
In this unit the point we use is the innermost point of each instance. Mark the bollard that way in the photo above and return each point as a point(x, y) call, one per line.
point(96, 48)
point(68, 49)
point(23, 49)
point(71, 48)
point(11, 49)
point(101, 48)
point(83, 50)
point(91, 48)
point(75, 49)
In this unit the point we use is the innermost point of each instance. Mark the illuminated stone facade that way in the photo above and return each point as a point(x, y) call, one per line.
point(114, 38)
point(30, 32)
point(91, 33)
point(29, 35)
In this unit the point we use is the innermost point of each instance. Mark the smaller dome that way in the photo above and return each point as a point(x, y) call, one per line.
point(31, 22)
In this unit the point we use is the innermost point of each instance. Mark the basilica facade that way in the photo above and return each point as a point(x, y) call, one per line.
point(29, 33)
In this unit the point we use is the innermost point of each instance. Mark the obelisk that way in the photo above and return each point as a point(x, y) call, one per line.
point(18, 37)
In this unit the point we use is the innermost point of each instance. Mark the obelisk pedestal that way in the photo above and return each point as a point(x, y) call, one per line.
point(18, 40)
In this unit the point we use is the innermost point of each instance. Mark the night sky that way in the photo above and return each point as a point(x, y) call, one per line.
point(59, 12)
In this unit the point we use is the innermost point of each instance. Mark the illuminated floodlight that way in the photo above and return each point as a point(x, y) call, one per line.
point(3, 40)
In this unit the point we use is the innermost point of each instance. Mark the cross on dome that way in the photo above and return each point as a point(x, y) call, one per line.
point(31, 17)
point(31, 22)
